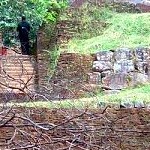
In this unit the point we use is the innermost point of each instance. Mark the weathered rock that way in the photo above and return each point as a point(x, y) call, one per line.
point(122, 80)
point(139, 104)
point(123, 54)
point(101, 66)
point(115, 81)
point(126, 104)
point(142, 67)
point(104, 56)
point(137, 78)
point(94, 78)
point(124, 66)
point(106, 73)
point(141, 54)
point(111, 91)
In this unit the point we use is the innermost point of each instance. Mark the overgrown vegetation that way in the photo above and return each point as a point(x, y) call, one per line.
point(105, 28)
point(37, 12)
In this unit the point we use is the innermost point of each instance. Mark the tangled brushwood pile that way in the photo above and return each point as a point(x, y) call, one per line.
point(61, 129)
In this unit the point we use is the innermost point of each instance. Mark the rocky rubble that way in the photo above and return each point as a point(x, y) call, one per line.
point(124, 67)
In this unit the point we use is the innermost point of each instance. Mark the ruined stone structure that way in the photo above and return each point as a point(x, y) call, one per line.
point(121, 68)
point(77, 75)
point(143, 5)
point(112, 70)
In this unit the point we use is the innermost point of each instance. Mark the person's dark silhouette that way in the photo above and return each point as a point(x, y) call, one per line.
point(23, 28)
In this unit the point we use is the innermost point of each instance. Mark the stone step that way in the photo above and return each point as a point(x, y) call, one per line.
point(14, 70)
point(20, 69)
point(18, 61)
point(13, 74)
point(20, 75)
point(13, 54)
point(23, 67)
point(17, 68)
point(18, 84)
point(19, 57)
point(16, 77)
point(17, 64)
point(25, 73)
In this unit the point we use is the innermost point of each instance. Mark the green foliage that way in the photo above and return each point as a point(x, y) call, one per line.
point(50, 46)
point(123, 30)
point(92, 20)
point(37, 12)
point(53, 55)
point(107, 27)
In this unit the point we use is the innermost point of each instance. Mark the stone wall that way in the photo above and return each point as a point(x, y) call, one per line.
point(77, 75)
point(70, 77)
point(97, 129)
point(67, 29)
point(121, 68)
point(143, 5)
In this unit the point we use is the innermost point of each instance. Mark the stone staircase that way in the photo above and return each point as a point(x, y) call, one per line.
point(17, 74)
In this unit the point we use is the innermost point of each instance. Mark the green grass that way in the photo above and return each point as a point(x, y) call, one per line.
point(124, 30)
point(140, 93)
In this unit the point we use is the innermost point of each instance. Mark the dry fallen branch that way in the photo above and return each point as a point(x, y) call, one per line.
point(87, 129)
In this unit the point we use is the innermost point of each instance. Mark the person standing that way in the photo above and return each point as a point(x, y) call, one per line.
point(24, 28)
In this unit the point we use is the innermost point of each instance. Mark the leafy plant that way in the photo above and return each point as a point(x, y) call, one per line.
point(37, 12)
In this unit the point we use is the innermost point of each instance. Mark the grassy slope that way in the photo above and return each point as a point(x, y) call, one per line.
point(125, 30)
point(140, 93)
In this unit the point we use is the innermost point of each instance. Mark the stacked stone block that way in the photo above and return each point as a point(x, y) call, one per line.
point(121, 68)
